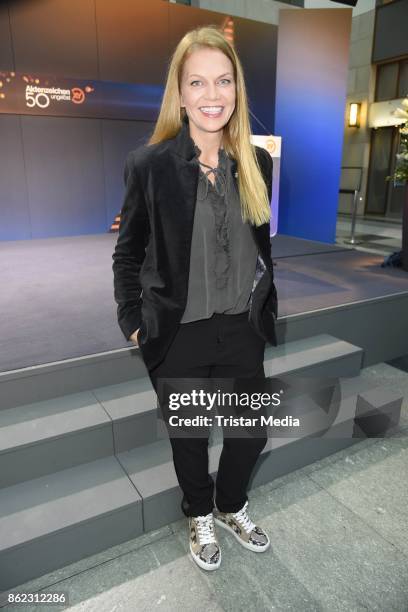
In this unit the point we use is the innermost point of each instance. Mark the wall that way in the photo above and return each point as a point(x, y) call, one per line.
point(261, 10)
point(362, 6)
point(360, 88)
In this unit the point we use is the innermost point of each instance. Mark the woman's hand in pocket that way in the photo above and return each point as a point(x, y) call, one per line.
point(134, 337)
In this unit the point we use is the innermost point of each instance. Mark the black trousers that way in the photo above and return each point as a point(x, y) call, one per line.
point(222, 346)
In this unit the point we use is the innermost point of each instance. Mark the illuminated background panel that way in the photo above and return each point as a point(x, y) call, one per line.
point(312, 65)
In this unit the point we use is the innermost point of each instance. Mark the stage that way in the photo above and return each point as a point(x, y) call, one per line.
point(57, 299)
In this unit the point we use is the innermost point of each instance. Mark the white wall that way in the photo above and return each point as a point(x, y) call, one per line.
point(268, 10)
point(362, 5)
point(259, 10)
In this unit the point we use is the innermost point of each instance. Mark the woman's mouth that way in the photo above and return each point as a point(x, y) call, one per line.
point(212, 111)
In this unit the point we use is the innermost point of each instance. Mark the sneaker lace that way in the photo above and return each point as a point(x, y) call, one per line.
point(243, 518)
point(205, 528)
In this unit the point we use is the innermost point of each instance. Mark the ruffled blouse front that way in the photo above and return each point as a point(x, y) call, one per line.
point(215, 196)
point(223, 251)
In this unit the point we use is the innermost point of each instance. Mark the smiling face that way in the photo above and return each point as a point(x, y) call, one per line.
point(207, 90)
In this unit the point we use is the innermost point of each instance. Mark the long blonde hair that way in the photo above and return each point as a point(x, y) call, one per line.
point(236, 136)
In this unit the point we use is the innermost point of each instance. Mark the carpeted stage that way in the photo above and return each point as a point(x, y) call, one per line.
point(57, 295)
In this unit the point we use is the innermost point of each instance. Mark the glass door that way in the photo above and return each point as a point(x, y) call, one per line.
point(384, 198)
point(396, 191)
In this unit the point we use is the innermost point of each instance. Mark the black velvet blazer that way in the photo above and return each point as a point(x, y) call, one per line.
point(151, 260)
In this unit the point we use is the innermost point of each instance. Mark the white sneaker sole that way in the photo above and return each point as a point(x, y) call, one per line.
point(247, 545)
point(202, 564)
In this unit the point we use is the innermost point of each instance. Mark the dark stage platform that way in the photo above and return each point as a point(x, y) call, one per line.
point(57, 297)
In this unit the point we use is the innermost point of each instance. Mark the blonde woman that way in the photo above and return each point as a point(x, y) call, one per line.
point(193, 272)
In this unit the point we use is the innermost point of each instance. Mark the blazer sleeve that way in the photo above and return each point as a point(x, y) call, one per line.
point(268, 168)
point(272, 301)
point(130, 250)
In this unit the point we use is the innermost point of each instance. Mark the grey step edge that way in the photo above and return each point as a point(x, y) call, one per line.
point(37, 438)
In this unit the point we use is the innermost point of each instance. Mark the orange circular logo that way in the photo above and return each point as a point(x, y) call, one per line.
point(270, 144)
point(78, 95)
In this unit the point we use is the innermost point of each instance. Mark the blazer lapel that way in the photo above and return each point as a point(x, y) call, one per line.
point(187, 175)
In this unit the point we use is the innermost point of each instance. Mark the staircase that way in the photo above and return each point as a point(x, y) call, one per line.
point(87, 470)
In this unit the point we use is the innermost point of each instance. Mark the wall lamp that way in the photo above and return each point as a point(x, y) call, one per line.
point(354, 114)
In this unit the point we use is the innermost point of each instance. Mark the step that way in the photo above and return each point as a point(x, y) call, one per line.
point(44, 437)
point(151, 467)
point(55, 379)
point(321, 355)
point(349, 389)
point(135, 418)
point(152, 472)
point(37, 438)
point(54, 520)
point(373, 412)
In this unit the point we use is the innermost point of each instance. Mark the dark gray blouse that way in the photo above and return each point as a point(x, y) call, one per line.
point(223, 250)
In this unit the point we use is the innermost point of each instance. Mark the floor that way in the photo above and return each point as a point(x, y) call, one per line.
point(380, 237)
point(338, 532)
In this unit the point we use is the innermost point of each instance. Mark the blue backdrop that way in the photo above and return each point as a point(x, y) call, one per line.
point(312, 66)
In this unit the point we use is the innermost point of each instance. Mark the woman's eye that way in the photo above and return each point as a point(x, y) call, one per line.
point(221, 81)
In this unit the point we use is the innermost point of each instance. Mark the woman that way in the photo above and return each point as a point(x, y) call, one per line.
point(193, 273)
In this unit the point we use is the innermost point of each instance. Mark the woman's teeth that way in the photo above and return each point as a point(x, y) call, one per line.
point(212, 111)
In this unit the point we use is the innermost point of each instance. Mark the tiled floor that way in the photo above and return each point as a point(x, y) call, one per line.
point(376, 236)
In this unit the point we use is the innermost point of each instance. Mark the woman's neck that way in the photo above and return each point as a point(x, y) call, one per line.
point(208, 145)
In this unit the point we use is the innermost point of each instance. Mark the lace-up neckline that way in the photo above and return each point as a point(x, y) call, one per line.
point(220, 171)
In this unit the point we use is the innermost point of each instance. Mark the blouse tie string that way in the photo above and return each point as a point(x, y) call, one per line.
point(220, 182)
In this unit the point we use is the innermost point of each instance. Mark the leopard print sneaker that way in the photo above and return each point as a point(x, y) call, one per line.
point(248, 534)
point(204, 546)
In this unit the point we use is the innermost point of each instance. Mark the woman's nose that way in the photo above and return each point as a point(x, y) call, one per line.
point(212, 93)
